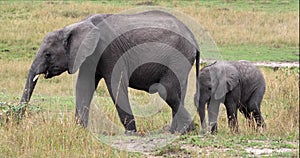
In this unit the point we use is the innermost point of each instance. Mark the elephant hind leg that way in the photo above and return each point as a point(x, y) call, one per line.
point(182, 121)
point(119, 95)
point(248, 115)
point(250, 120)
point(254, 106)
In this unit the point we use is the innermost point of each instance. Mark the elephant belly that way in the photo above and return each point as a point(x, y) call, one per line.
point(146, 75)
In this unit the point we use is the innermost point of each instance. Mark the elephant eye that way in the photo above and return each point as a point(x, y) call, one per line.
point(209, 88)
point(47, 55)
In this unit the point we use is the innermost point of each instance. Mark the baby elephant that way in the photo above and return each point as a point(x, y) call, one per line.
point(239, 85)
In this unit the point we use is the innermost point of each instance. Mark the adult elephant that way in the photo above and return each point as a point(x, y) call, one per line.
point(239, 85)
point(151, 51)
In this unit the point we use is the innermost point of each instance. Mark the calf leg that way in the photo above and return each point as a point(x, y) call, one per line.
point(248, 114)
point(231, 103)
point(213, 112)
point(254, 106)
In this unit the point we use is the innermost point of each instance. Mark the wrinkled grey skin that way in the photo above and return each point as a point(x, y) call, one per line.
point(239, 85)
point(150, 51)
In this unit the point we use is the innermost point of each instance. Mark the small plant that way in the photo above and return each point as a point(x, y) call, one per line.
point(15, 112)
point(170, 149)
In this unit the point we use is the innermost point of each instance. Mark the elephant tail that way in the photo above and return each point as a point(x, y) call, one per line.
point(197, 63)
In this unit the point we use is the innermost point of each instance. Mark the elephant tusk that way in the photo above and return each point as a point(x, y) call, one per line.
point(35, 78)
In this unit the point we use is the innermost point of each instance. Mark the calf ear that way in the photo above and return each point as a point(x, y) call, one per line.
point(80, 41)
point(232, 78)
point(219, 88)
point(225, 78)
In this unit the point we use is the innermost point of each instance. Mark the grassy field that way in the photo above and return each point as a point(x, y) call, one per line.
point(248, 30)
point(243, 28)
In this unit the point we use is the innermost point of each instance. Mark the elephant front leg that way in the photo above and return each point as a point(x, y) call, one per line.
point(85, 87)
point(232, 117)
point(200, 104)
point(213, 112)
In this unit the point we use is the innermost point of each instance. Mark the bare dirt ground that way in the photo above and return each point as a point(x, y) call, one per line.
point(267, 64)
point(277, 64)
point(151, 146)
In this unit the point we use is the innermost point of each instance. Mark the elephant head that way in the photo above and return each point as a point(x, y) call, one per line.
point(214, 82)
point(62, 50)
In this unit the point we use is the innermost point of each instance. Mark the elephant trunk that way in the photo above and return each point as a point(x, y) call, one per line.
point(32, 78)
point(201, 111)
point(29, 87)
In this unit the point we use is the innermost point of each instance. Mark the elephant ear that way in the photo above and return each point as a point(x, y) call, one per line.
point(224, 79)
point(81, 40)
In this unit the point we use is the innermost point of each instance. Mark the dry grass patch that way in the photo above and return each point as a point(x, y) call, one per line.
point(232, 27)
point(51, 135)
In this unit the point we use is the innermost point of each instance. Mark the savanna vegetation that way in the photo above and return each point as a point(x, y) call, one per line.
point(242, 30)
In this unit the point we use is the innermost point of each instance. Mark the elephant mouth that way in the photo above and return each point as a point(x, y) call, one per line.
point(53, 72)
point(208, 100)
point(48, 75)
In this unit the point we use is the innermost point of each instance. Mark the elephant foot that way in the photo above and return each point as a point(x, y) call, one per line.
point(264, 125)
point(130, 133)
point(234, 126)
point(204, 132)
point(234, 129)
point(213, 128)
point(79, 121)
point(182, 128)
point(251, 124)
point(261, 128)
point(182, 122)
point(203, 129)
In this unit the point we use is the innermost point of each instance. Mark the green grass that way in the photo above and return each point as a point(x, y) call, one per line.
point(252, 53)
point(238, 142)
point(260, 53)
point(261, 5)
point(267, 6)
